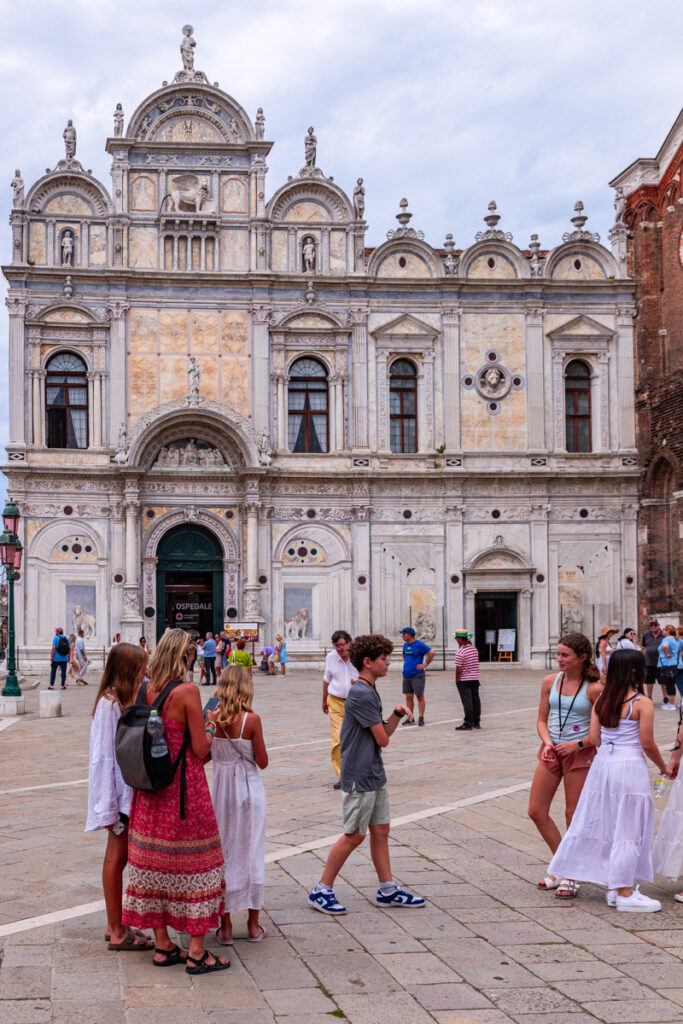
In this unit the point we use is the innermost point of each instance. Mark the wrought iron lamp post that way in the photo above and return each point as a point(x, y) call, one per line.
point(10, 556)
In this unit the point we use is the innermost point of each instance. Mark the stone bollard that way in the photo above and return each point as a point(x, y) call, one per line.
point(50, 704)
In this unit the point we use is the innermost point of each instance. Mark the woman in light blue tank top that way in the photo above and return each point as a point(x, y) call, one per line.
point(564, 716)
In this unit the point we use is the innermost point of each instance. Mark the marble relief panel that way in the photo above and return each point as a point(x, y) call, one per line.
point(481, 431)
point(234, 333)
point(142, 192)
point(234, 195)
point(209, 377)
point(36, 246)
point(235, 250)
point(142, 377)
point(143, 247)
point(70, 206)
point(142, 330)
point(204, 331)
point(173, 331)
point(172, 377)
point(279, 250)
point(308, 211)
point(337, 250)
point(98, 245)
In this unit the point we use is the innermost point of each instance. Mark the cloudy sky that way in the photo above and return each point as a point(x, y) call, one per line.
point(451, 103)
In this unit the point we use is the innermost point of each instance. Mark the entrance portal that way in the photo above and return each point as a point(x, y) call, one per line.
point(493, 610)
point(189, 581)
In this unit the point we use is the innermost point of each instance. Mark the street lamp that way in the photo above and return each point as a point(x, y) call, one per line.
point(10, 556)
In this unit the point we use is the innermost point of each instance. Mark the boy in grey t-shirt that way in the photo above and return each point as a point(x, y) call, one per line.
point(365, 803)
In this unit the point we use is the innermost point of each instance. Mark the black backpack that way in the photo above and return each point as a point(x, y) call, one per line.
point(62, 645)
point(133, 747)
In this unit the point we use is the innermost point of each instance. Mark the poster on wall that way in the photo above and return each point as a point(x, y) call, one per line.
point(241, 631)
point(506, 639)
point(80, 609)
point(298, 613)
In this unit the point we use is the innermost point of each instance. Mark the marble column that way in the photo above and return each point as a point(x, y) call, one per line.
point(603, 403)
point(131, 620)
point(539, 559)
point(117, 366)
point(261, 369)
point(132, 556)
point(93, 411)
point(281, 380)
point(451, 379)
point(252, 590)
point(359, 389)
point(535, 378)
point(16, 306)
point(627, 426)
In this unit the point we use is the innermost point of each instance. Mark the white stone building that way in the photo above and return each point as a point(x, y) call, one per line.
point(224, 407)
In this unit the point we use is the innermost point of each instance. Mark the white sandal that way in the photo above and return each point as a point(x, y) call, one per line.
point(548, 883)
point(567, 889)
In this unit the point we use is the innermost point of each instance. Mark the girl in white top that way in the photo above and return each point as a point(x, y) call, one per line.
point(109, 798)
point(239, 799)
point(626, 641)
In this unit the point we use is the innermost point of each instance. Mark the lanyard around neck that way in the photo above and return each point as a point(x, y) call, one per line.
point(559, 707)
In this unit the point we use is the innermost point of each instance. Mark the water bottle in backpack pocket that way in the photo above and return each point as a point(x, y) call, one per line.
point(141, 748)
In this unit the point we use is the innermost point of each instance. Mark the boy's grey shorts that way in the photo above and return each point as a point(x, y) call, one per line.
point(364, 809)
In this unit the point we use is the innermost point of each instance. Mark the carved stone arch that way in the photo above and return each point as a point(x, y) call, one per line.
point(69, 348)
point(661, 476)
point(499, 556)
point(410, 245)
point(496, 249)
point(201, 517)
point(173, 101)
point(322, 192)
point(51, 313)
point(309, 319)
point(43, 543)
point(334, 545)
point(669, 196)
point(82, 185)
point(220, 425)
point(318, 357)
point(645, 210)
point(581, 248)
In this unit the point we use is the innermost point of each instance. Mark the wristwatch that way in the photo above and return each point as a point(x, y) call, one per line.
point(399, 714)
point(579, 744)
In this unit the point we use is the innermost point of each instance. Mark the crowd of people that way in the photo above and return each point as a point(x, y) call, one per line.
point(197, 856)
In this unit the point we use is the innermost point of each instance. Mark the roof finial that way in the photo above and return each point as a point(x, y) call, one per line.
point(493, 217)
point(491, 221)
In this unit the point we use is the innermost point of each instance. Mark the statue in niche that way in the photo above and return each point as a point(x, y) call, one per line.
point(308, 252)
point(359, 199)
point(18, 189)
point(122, 445)
point(310, 148)
point(118, 121)
point(187, 48)
point(492, 382)
point(193, 375)
point(264, 449)
point(69, 136)
point(67, 245)
point(619, 205)
point(260, 123)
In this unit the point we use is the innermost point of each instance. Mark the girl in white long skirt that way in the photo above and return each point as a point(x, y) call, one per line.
point(608, 841)
point(239, 800)
point(667, 851)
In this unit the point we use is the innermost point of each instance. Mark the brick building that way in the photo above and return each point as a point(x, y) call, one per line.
point(649, 229)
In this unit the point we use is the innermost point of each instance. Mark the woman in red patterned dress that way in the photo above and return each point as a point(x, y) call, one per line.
point(176, 870)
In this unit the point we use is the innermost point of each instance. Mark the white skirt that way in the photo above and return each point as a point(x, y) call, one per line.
point(667, 852)
point(608, 841)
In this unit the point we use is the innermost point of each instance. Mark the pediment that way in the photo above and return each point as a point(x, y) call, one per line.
point(407, 324)
point(582, 327)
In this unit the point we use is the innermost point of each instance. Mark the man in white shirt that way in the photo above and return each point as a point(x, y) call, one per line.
point(339, 674)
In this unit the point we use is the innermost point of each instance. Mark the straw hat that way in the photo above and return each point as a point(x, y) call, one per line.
point(607, 631)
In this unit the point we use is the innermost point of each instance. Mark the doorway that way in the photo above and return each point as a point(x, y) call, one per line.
point(189, 581)
point(493, 611)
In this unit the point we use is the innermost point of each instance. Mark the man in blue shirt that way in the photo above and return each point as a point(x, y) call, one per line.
point(59, 657)
point(210, 659)
point(416, 657)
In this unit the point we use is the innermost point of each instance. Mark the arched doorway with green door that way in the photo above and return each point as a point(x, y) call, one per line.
point(189, 580)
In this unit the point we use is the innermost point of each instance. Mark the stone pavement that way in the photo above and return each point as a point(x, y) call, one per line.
point(488, 948)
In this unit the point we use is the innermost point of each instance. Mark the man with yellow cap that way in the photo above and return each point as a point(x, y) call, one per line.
point(467, 680)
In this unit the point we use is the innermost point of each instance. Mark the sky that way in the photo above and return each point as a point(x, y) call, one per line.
point(450, 103)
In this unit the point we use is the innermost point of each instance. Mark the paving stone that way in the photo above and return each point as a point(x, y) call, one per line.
point(550, 952)
point(674, 994)
point(418, 969)
point(162, 1015)
point(663, 938)
point(25, 1011)
point(283, 972)
point(26, 956)
point(352, 972)
point(603, 988)
point(658, 975)
point(557, 1018)
point(507, 933)
point(160, 995)
point(529, 1000)
point(237, 1017)
point(92, 1011)
point(291, 1001)
point(30, 982)
point(382, 1007)
point(636, 1011)
point(582, 970)
point(641, 954)
point(473, 1017)
point(392, 944)
point(448, 997)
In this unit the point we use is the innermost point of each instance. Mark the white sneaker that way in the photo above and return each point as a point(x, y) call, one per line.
point(638, 903)
point(611, 897)
point(670, 706)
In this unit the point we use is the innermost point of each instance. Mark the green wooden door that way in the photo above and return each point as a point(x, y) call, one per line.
point(189, 580)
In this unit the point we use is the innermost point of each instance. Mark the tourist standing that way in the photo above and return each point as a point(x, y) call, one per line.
point(72, 670)
point(652, 638)
point(667, 666)
point(604, 649)
point(338, 676)
point(81, 658)
point(627, 640)
point(59, 657)
point(175, 859)
point(566, 754)
point(145, 646)
point(210, 659)
point(240, 656)
point(679, 675)
point(416, 657)
point(199, 646)
point(365, 802)
point(281, 652)
point(608, 840)
point(109, 798)
point(467, 680)
point(239, 800)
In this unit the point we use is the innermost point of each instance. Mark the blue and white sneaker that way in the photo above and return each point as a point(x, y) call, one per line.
point(398, 898)
point(326, 902)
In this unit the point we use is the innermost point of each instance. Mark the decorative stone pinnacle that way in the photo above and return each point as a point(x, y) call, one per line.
point(580, 219)
point(491, 220)
point(449, 244)
point(404, 216)
point(403, 219)
point(493, 217)
point(579, 232)
point(534, 244)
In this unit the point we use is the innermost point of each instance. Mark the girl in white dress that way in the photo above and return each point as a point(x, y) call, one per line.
point(608, 841)
point(109, 798)
point(667, 851)
point(239, 799)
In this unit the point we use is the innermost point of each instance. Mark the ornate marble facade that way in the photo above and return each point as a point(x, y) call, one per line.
point(188, 296)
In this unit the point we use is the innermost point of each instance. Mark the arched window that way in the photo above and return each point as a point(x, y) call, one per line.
point(577, 406)
point(66, 395)
point(308, 415)
point(403, 406)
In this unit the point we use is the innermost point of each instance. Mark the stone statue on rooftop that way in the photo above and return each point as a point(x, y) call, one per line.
point(118, 121)
point(69, 136)
point(310, 148)
point(18, 189)
point(359, 199)
point(260, 123)
point(187, 48)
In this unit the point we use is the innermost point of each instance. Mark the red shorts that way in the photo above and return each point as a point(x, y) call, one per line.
point(561, 763)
